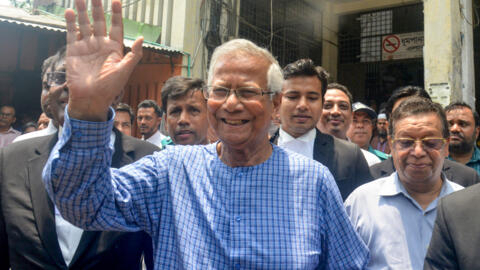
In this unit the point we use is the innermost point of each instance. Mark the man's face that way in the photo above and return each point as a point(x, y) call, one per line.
point(122, 122)
point(382, 127)
point(301, 105)
point(241, 124)
point(148, 121)
point(336, 113)
point(186, 119)
point(54, 96)
point(418, 165)
point(43, 121)
point(463, 132)
point(7, 117)
point(360, 130)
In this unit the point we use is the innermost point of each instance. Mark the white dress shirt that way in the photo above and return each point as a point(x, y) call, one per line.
point(69, 235)
point(302, 145)
point(371, 158)
point(156, 138)
point(43, 132)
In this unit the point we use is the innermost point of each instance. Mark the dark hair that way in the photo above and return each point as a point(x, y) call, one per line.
point(179, 86)
point(11, 106)
point(52, 61)
point(402, 92)
point(29, 124)
point(148, 103)
point(342, 88)
point(416, 106)
point(306, 67)
point(123, 107)
point(460, 105)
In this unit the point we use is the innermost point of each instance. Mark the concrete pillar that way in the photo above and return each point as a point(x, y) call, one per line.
point(330, 40)
point(445, 64)
point(468, 73)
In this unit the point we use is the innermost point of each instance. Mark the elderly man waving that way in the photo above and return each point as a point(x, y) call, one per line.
point(239, 203)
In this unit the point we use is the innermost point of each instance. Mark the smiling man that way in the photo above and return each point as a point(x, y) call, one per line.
point(337, 111)
point(361, 130)
point(239, 203)
point(33, 233)
point(464, 128)
point(185, 111)
point(300, 110)
point(395, 215)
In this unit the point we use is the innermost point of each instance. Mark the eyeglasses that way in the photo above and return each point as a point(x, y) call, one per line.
point(365, 122)
point(220, 93)
point(6, 114)
point(56, 78)
point(429, 143)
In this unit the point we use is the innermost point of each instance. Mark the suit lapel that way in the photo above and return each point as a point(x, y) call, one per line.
point(323, 150)
point(123, 150)
point(43, 208)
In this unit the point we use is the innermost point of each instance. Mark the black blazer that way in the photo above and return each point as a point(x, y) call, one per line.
point(456, 233)
point(28, 238)
point(344, 159)
point(455, 172)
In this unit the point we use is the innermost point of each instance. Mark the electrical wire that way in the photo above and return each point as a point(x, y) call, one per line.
point(271, 25)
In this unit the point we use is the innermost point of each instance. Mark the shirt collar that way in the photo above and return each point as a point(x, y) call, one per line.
point(392, 187)
point(476, 155)
point(284, 137)
point(11, 130)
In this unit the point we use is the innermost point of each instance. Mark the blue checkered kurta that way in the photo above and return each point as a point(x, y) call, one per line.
point(285, 213)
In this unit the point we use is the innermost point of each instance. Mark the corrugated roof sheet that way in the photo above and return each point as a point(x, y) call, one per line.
point(19, 16)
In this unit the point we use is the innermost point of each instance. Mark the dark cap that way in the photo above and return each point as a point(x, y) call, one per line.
point(360, 107)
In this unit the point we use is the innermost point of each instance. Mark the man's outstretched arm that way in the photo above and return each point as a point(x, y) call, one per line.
point(78, 176)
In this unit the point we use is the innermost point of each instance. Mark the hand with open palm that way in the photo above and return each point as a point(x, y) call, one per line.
point(97, 71)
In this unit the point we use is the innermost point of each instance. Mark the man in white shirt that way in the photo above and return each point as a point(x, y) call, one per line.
point(149, 118)
point(7, 132)
point(394, 215)
point(300, 110)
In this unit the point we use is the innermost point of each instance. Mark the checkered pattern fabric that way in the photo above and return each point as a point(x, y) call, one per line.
point(285, 213)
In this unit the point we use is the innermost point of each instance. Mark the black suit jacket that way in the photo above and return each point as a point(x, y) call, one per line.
point(456, 233)
point(28, 238)
point(455, 172)
point(345, 161)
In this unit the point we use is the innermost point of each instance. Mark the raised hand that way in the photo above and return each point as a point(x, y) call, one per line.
point(97, 71)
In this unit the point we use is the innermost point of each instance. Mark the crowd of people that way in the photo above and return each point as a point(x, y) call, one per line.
point(332, 184)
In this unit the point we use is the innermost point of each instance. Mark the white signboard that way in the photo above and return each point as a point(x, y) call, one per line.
point(440, 93)
point(402, 46)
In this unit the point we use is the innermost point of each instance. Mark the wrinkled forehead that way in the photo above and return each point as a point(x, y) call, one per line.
point(419, 122)
point(460, 113)
point(7, 109)
point(240, 65)
point(192, 96)
point(58, 66)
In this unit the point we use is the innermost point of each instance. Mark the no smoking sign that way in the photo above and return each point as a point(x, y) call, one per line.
point(391, 44)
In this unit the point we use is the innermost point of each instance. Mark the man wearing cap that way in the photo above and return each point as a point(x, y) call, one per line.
point(361, 129)
point(380, 141)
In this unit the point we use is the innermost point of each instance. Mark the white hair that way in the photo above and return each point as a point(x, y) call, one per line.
point(274, 74)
